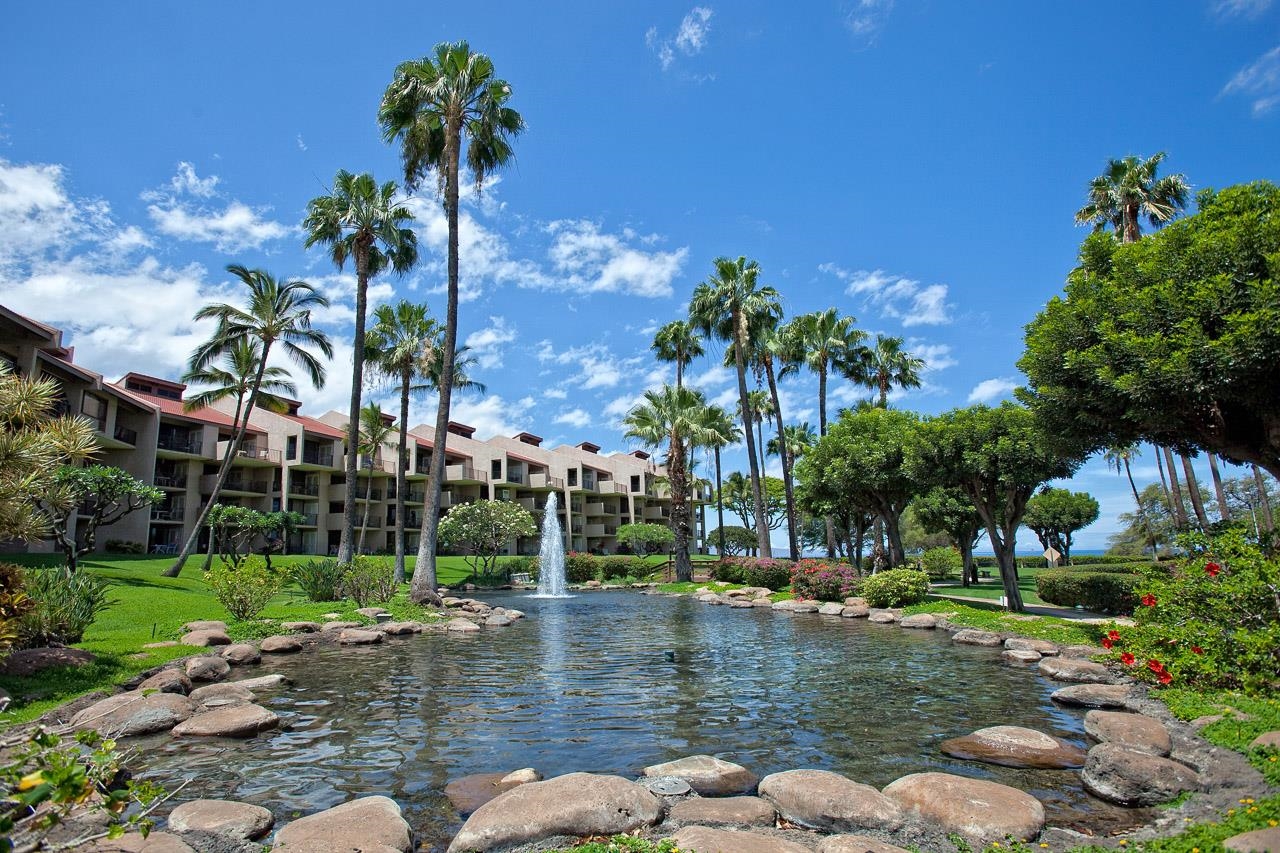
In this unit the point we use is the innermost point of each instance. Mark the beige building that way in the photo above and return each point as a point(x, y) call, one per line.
point(289, 461)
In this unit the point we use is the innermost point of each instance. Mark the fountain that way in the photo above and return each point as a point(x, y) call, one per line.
point(551, 556)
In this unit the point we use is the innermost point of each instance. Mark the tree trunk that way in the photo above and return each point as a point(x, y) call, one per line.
point(1164, 484)
point(784, 453)
point(1142, 513)
point(893, 536)
point(739, 343)
point(364, 521)
point(859, 534)
point(827, 521)
point(719, 503)
point(1264, 502)
point(1193, 490)
point(1180, 520)
point(968, 572)
point(679, 508)
point(402, 481)
point(1224, 512)
point(347, 540)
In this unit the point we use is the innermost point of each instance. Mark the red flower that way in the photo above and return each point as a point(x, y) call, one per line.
point(1197, 650)
point(1212, 569)
point(1149, 600)
point(1113, 636)
point(1107, 642)
point(1155, 665)
point(1165, 677)
point(1127, 659)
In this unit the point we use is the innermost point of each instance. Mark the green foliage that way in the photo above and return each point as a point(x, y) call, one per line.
point(63, 606)
point(321, 580)
point(125, 546)
point(13, 604)
point(482, 529)
point(613, 568)
point(84, 498)
point(369, 580)
point(1055, 515)
point(623, 844)
point(1213, 621)
point(737, 539)
point(517, 565)
point(768, 573)
point(822, 581)
point(941, 563)
point(244, 589)
point(740, 499)
point(895, 588)
point(580, 567)
point(643, 538)
point(1102, 592)
point(727, 571)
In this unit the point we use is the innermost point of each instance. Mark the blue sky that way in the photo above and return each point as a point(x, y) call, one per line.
point(915, 164)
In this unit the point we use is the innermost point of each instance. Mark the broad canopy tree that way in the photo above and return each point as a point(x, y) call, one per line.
point(643, 538)
point(947, 510)
point(1056, 515)
point(82, 499)
point(483, 528)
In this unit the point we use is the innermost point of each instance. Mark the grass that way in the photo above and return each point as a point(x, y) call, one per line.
point(992, 589)
point(1066, 632)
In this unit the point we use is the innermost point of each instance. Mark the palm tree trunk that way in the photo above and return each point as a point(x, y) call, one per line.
point(401, 477)
point(679, 372)
point(423, 588)
point(1193, 489)
point(233, 447)
point(347, 539)
point(720, 503)
point(676, 473)
point(1142, 514)
point(822, 430)
point(739, 344)
point(760, 448)
point(1224, 512)
point(1180, 520)
point(1264, 502)
point(364, 522)
point(793, 538)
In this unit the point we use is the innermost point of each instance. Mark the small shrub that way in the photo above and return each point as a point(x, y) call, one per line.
point(728, 570)
point(321, 580)
point(62, 607)
point(1104, 592)
point(772, 574)
point(124, 546)
point(369, 580)
point(814, 579)
point(941, 563)
point(895, 588)
point(244, 590)
point(580, 568)
point(612, 568)
point(1130, 568)
point(13, 604)
point(519, 565)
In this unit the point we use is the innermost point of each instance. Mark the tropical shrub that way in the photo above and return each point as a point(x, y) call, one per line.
point(895, 588)
point(62, 606)
point(518, 565)
point(369, 580)
point(321, 580)
point(772, 574)
point(580, 568)
point(1104, 592)
point(612, 568)
point(13, 604)
point(125, 546)
point(1130, 568)
point(727, 570)
point(1213, 621)
point(814, 579)
point(244, 590)
point(941, 563)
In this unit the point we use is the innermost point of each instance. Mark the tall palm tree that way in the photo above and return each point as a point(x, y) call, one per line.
point(759, 407)
point(796, 439)
point(1118, 458)
point(1180, 519)
point(675, 417)
point(277, 312)
point(431, 105)
point(678, 342)
point(886, 364)
point(721, 431)
point(361, 220)
point(1129, 190)
point(1193, 491)
point(727, 305)
point(773, 354)
point(375, 428)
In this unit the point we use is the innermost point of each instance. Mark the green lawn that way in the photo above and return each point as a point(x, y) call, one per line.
point(991, 588)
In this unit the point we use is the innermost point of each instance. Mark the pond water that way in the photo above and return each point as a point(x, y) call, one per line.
point(612, 682)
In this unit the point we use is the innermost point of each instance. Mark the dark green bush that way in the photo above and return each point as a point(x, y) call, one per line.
point(13, 604)
point(519, 565)
point(726, 571)
point(612, 568)
point(321, 580)
point(124, 546)
point(62, 607)
point(895, 588)
point(244, 589)
point(580, 568)
point(1130, 568)
point(1103, 592)
point(772, 574)
point(941, 563)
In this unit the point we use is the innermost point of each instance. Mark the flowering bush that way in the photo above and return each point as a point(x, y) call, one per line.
point(824, 581)
point(895, 588)
point(244, 590)
point(1211, 621)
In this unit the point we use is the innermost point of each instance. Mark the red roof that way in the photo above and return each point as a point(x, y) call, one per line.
point(174, 408)
point(318, 427)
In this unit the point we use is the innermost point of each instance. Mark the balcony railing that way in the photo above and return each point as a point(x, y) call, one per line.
point(464, 472)
point(309, 519)
point(546, 481)
point(415, 496)
point(318, 456)
point(304, 487)
point(123, 433)
point(234, 484)
point(261, 454)
point(620, 489)
point(171, 481)
point(178, 443)
point(163, 513)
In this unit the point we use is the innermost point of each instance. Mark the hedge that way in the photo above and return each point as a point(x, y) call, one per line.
point(1103, 592)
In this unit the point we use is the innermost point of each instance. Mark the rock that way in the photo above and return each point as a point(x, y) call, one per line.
point(450, 601)
point(27, 662)
point(1094, 695)
point(132, 713)
point(882, 617)
point(1075, 669)
point(709, 776)
point(578, 804)
point(1258, 841)
point(221, 695)
point(722, 811)
point(371, 612)
point(805, 607)
point(207, 668)
point(1025, 644)
point(1013, 746)
point(705, 839)
point(262, 682)
point(855, 601)
point(831, 608)
point(301, 627)
point(1128, 777)
point(855, 611)
point(235, 721)
point(741, 603)
point(371, 824)
point(464, 626)
point(856, 844)
point(469, 793)
point(171, 680)
point(498, 620)
point(133, 842)
point(762, 602)
point(240, 654)
point(280, 645)
point(1135, 731)
point(398, 629)
point(819, 799)
point(1020, 655)
point(515, 614)
point(977, 809)
point(222, 817)
point(920, 620)
point(710, 598)
point(1271, 739)
point(1083, 652)
point(339, 625)
point(357, 637)
point(521, 777)
point(206, 625)
point(975, 637)
point(205, 638)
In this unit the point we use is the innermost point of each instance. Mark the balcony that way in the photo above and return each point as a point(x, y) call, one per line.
point(619, 489)
point(530, 504)
point(321, 457)
point(170, 481)
point(192, 445)
point(125, 435)
point(463, 473)
point(446, 499)
point(309, 519)
point(415, 496)
point(235, 484)
point(594, 509)
point(253, 453)
point(655, 513)
point(168, 513)
point(593, 530)
point(546, 481)
point(309, 488)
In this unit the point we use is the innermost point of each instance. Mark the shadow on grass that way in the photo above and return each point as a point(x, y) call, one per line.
point(66, 682)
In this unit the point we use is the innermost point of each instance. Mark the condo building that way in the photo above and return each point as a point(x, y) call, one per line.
point(291, 461)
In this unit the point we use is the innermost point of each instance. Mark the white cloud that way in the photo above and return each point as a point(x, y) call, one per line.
point(576, 418)
point(487, 343)
point(599, 373)
point(618, 407)
point(38, 216)
point(302, 145)
point(936, 356)
point(990, 390)
point(1259, 81)
point(1240, 8)
point(689, 39)
point(595, 262)
point(866, 19)
point(555, 394)
point(712, 377)
point(186, 181)
point(492, 415)
point(233, 229)
point(896, 296)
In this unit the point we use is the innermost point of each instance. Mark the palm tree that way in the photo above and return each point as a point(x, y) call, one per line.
point(678, 342)
point(886, 364)
point(721, 431)
point(430, 106)
point(774, 354)
point(1129, 190)
point(727, 305)
point(360, 219)
point(826, 341)
point(277, 312)
point(1118, 458)
point(796, 439)
point(1193, 492)
point(676, 417)
point(759, 407)
point(375, 428)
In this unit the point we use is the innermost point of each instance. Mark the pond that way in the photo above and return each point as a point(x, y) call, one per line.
point(611, 682)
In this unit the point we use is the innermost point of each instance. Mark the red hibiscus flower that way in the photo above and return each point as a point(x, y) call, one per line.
point(1127, 659)
point(1165, 677)
point(1155, 665)
point(1113, 636)
point(1197, 650)
point(1107, 642)
point(1148, 600)
point(1212, 569)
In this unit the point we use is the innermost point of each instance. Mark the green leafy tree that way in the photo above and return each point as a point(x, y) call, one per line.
point(997, 457)
point(736, 494)
point(1129, 190)
point(644, 538)
point(483, 528)
point(736, 540)
point(1056, 515)
point(433, 106)
point(759, 407)
point(274, 313)
point(679, 343)
point(82, 499)
point(1158, 512)
point(719, 431)
point(885, 365)
point(364, 221)
point(772, 353)
point(950, 512)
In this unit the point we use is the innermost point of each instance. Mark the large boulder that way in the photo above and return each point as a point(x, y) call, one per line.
point(263, 682)
point(135, 713)
point(1026, 644)
point(301, 627)
point(1258, 841)
point(28, 662)
point(1135, 731)
point(828, 801)
point(705, 839)
point(578, 804)
point(1271, 739)
point(976, 809)
point(207, 668)
point(221, 695)
point(1118, 774)
point(1076, 670)
point(722, 811)
point(133, 842)
point(235, 721)
point(855, 611)
point(280, 644)
point(1016, 656)
point(884, 617)
point(369, 824)
point(397, 629)
point(1014, 746)
point(206, 625)
point(171, 680)
point(204, 638)
point(831, 608)
point(1094, 695)
point(856, 844)
point(920, 620)
point(469, 793)
point(708, 775)
point(976, 637)
point(241, 654)
point(360, 637)
point(222, 817)
point(461, 625)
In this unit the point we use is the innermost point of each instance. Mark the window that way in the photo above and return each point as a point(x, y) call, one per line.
point(291, 447)
point(496, 469)
point(635, 482)
point(95, 409)
point(573, 476)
